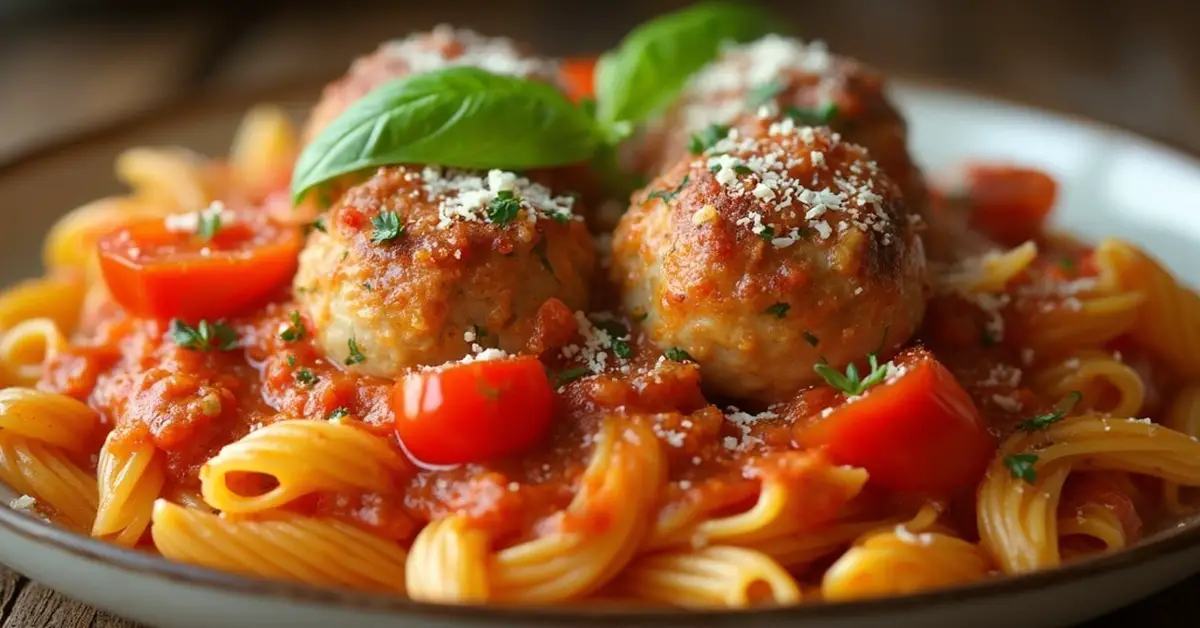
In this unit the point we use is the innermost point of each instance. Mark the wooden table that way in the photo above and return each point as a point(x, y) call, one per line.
point(1114, 60)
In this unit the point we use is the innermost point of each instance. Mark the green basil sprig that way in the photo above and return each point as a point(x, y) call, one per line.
point(459, 117)
point(655, 61)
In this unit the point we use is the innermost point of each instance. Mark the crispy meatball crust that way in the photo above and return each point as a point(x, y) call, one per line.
point(455, 280)
point(783, 73)
point(779, 247)
point(440, 48)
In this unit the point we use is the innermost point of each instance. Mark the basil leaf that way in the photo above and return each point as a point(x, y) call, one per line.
point(655, 61)
point(459, 117)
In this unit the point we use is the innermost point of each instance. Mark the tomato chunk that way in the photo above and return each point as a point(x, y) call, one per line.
point(919, 432)
point(473, 412)
point(158, 272)
point(576, 75)
point(1009, 203)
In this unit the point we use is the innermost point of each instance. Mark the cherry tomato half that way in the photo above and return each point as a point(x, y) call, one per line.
point(473, 412)
point(920, 432)
point(576, 75)
point(1009, 203)
point(156, 272)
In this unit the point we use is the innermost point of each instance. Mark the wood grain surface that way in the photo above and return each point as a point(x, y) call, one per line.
point(1131, 63)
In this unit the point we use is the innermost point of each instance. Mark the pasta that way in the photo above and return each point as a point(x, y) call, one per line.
point(278, 364)
point(315, 551)
point(302, 457)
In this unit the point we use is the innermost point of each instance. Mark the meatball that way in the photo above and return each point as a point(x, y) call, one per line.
point(778, 247)
point(442, 47)
point(785, 75)
point(421, 266)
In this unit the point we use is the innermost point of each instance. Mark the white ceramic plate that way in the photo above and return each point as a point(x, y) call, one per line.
point(1113, 183)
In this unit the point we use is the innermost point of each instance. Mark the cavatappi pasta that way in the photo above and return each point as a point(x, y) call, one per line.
point(440, 388)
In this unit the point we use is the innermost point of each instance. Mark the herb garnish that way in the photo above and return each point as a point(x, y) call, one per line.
point(851, 383)
point(339, 413)
point(617, 332)
point(304, 377)
point(459, 117)
point(296, 330)
point(678, 355)
point(356, 356)
point(1043, 421)
point(763, 93)
point(815, 116)
point(1021, 466)
point(291, 360)
point(668, 196)
point(504, 208)
point(767, 234)
point(780, 309)
point(811, 339)
point(204, 336)
point(209, 223)
point(318, 224)
point(387, 227)
point(705, 138)
point(570, 375)
point(656, 59)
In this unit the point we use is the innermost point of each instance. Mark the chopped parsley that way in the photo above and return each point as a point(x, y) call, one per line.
point(1067, 263)
point(850, 382)
point(742, 169)
point(480, 331)
point(296, 330)
point(204, 336)
point(706, 138)
point(570, 375)
point(318, 224)
point(767, 234)
point(813, 116)
point(988, 339)
point(356, 356)
point(760, 95)
point(208, 226)
point(504, 208)
point(618, 334)
point(291, 360)
point(304, 377)
point(560, 217)
point(387, 227)
point(811, 339)
point(669, 196)
point(339, 413)
point(1021, 466)
point(779, 310)
point(622, 349)
point(1043, 421)
point(678, 355)
point(640, 314)
point(367, 286)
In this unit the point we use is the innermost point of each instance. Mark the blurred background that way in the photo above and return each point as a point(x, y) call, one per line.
point(72, 64)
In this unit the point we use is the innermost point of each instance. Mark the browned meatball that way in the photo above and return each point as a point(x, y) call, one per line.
point(440, 48)
point(785, 75)
point(421, 266)
point(778, 247)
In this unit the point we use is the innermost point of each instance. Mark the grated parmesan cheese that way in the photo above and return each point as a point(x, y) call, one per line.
point(465, 196)
point(446, 46)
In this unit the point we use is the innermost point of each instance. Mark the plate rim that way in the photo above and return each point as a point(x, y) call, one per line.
point(192, 105)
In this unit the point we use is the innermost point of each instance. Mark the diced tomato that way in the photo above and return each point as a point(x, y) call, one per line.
point(1009, 203)
point(919, 432)
point(157, 272)
point(473, 412)
point(576, 75)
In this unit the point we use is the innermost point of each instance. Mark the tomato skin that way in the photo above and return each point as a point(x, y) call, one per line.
point(1009, 203)
point(918, 433)
point(473, 412)
point(577, 76)
point(154, 272)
